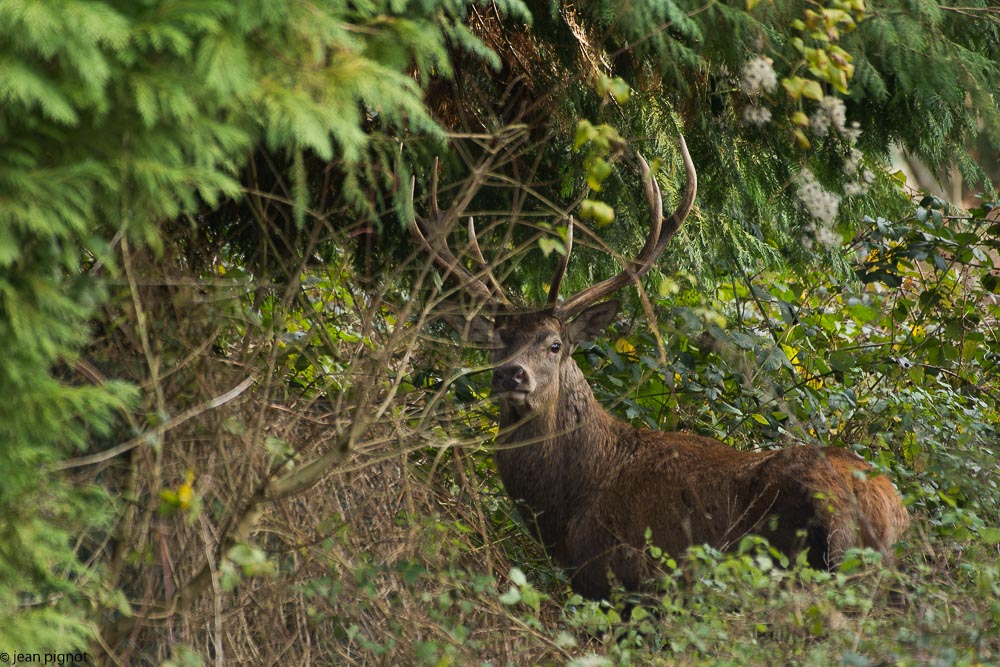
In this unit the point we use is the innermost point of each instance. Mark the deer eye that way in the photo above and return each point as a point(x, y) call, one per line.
point(555, 347)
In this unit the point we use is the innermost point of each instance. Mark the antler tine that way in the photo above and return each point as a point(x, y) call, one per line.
point(684, 207)
point(656, 242)
point(432, 234)
point(477, 255)
point(561, 267)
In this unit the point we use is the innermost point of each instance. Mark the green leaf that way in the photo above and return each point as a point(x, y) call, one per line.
point(598, 211)
point(620, 90)
point(990, 535)
point(548, 245)
point(862, 313)
point(597, 173)
point(511, 597)
point(842, 361)
point(775, 359)
point(244, 554)
point(585, 132)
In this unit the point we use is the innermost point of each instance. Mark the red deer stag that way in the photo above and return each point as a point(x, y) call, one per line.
point(592, 484)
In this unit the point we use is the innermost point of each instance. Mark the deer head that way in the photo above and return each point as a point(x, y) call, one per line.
point(529, 351)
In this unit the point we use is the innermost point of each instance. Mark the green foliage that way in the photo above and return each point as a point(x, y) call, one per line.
point(783, 170)
point(926, 47)
point(117, 116)
point(431, 614)
point(745, 608)
point(122, 120)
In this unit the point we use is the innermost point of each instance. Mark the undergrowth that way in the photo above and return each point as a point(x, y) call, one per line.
point(407, 550)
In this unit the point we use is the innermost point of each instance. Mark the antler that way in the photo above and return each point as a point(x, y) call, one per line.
point(561, 268)
point(432, 233)
point(659, 235)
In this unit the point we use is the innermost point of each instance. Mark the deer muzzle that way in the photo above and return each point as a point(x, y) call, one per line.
point(511, 381)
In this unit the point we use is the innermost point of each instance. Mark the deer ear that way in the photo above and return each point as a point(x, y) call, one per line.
point(591, 323)
point(478, 329)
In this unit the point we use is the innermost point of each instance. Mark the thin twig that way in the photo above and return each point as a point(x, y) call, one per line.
point(158, 431)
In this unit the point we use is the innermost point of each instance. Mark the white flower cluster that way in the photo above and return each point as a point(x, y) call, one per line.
point(860, 178)
point(827, 237)
point(831, 118)
point(832, 114)
point(759, 76)
point(756, 115)
point(819, 202)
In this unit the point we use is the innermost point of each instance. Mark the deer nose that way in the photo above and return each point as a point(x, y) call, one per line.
point(510, 377)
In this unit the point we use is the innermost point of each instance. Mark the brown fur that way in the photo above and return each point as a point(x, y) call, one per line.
point(591, 484)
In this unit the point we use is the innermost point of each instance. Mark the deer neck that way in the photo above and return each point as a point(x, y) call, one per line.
point(549, 459)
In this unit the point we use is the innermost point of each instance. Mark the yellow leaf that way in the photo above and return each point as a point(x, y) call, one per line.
point(794, 86)
point(800, 138)
point(792, 354)
point(760, 419)
point(669, 286)
point(622, 346)
point(598, 173)
point(603, 84)
point(185, 492)
point(813, 91)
